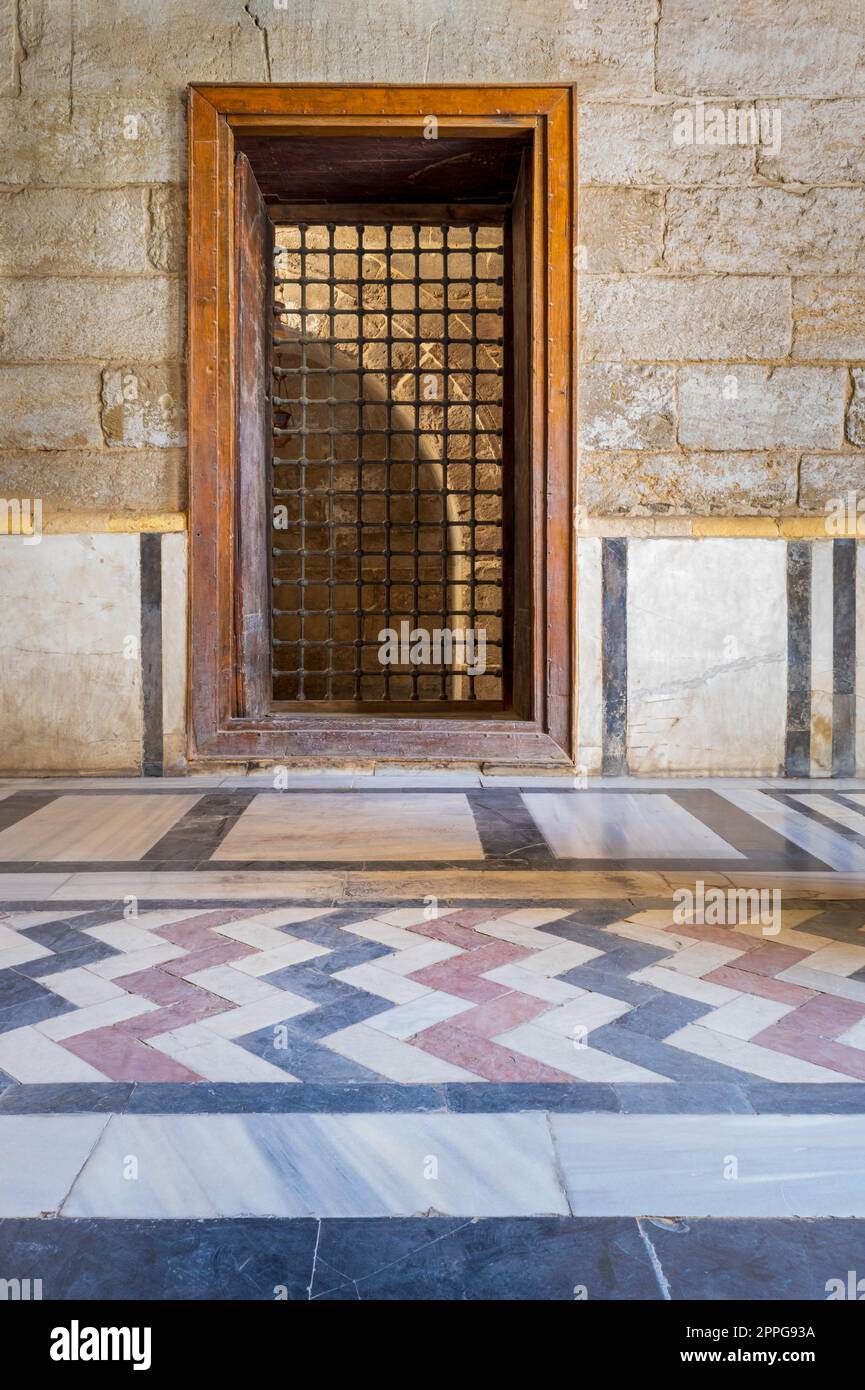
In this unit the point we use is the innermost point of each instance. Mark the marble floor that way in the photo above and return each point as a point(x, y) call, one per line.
point(394, 1005)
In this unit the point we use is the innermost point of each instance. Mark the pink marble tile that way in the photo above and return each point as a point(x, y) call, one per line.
point(721, 936)
point(125, 1058)
point(487, 1059)
point(498, 1015)
point(826, 1015)
point(215, 954)
point(747, 983)
point(157, 986)
point(177, 1015)
point(770, 959)
point(808, 1047)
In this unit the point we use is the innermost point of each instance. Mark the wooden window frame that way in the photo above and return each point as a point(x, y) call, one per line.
point(229, 715)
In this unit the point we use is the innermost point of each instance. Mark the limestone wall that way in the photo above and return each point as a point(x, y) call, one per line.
point(722, 286)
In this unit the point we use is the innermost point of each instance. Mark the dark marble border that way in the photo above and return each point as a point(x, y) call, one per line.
point(752, 1097)
point(844, 658)
point(152, 755)
point(614, 656)
point(797, 744)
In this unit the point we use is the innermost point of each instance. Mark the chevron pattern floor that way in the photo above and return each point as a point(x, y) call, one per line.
point(611, 991)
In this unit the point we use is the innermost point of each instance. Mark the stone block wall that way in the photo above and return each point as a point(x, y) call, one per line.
point(722, 336)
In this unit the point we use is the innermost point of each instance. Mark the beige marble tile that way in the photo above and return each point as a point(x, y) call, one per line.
point(93, 828)
point(364, 825)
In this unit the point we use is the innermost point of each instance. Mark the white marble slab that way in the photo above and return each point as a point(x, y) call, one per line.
point(611, 825)
point(819, 840)
point(202, 1166)
point(675, 1165)
point(707, 648)
point(822, 658)
point(354, 827)
point(40, 1157)
point(93, 828)
point(834, 810)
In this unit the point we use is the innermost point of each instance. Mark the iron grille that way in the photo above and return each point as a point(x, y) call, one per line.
point(387, 482)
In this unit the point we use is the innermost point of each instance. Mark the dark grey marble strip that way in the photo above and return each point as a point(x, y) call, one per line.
point(797, 745)
point(152, 759)
point(391, 1258)
point(20, 805)
point(714, 1091)
point(764, 848)
point(845, 832)
point(505, 827)
point(844, 658)
point(614, 648)
point(190, 843)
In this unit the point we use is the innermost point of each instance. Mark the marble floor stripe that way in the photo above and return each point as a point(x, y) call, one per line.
point(359, 826)
point(825, 844)
point(598, 826)
point(104, 828)
point(208, 1166)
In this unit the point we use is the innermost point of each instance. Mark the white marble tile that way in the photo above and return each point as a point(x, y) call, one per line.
point(854, 1037)
point(81, 987)
point(174, 647)
point(707, 649)
point(748, 1056)
point(678, 1165)
point(200, 1166)
point(396, 938)
point(18, 950)
point(832, 849)
point(834, 810)
point(688, 986)
point(394, 1058)
point(838, 985)
point(40, 1157)
point(538, 986)
point(555, 960)
point(262, 1013)
point(588, 1012)
point(217, 1059)
point(838, 958)
point(385, 983)
point(703, 957)
point(291, 952)
point(611, 825)
point(410, 916)
point(228, 983)
point(585, 1063)
point(417, 1014)
point(70, 698)
point(745, 1016)
point(355, 827)
point(114, 967)
point(860, 660)
point(101, 1015)
point(93, 828)
point(431, 952)
point(27, 1055)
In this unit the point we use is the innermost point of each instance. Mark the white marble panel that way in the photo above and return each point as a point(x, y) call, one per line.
point(70, 673)
point(321, 1165)
point(354, 827)
point(623, 825)
point(40, 1156)
point(81, 828)
point(860, 659)
point(707, 642)
point(628, 1165)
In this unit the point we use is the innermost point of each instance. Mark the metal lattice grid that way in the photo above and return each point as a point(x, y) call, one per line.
point(387, 480)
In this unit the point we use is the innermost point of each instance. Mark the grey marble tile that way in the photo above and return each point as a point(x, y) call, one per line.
point(40, 1157)
point(319, 1165)
point(676, 1165)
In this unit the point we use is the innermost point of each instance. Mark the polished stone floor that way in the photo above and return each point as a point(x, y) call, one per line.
point(406, 1017)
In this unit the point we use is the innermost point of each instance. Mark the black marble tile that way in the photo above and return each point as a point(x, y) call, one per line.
point(695, 1098)
point(66, 1098)
point(521, 1258)
point(216, 1259)
point(755, 1260)
point(259, 1098)
point(472, 1097)
point(793, 1098)
point(661, 1017)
